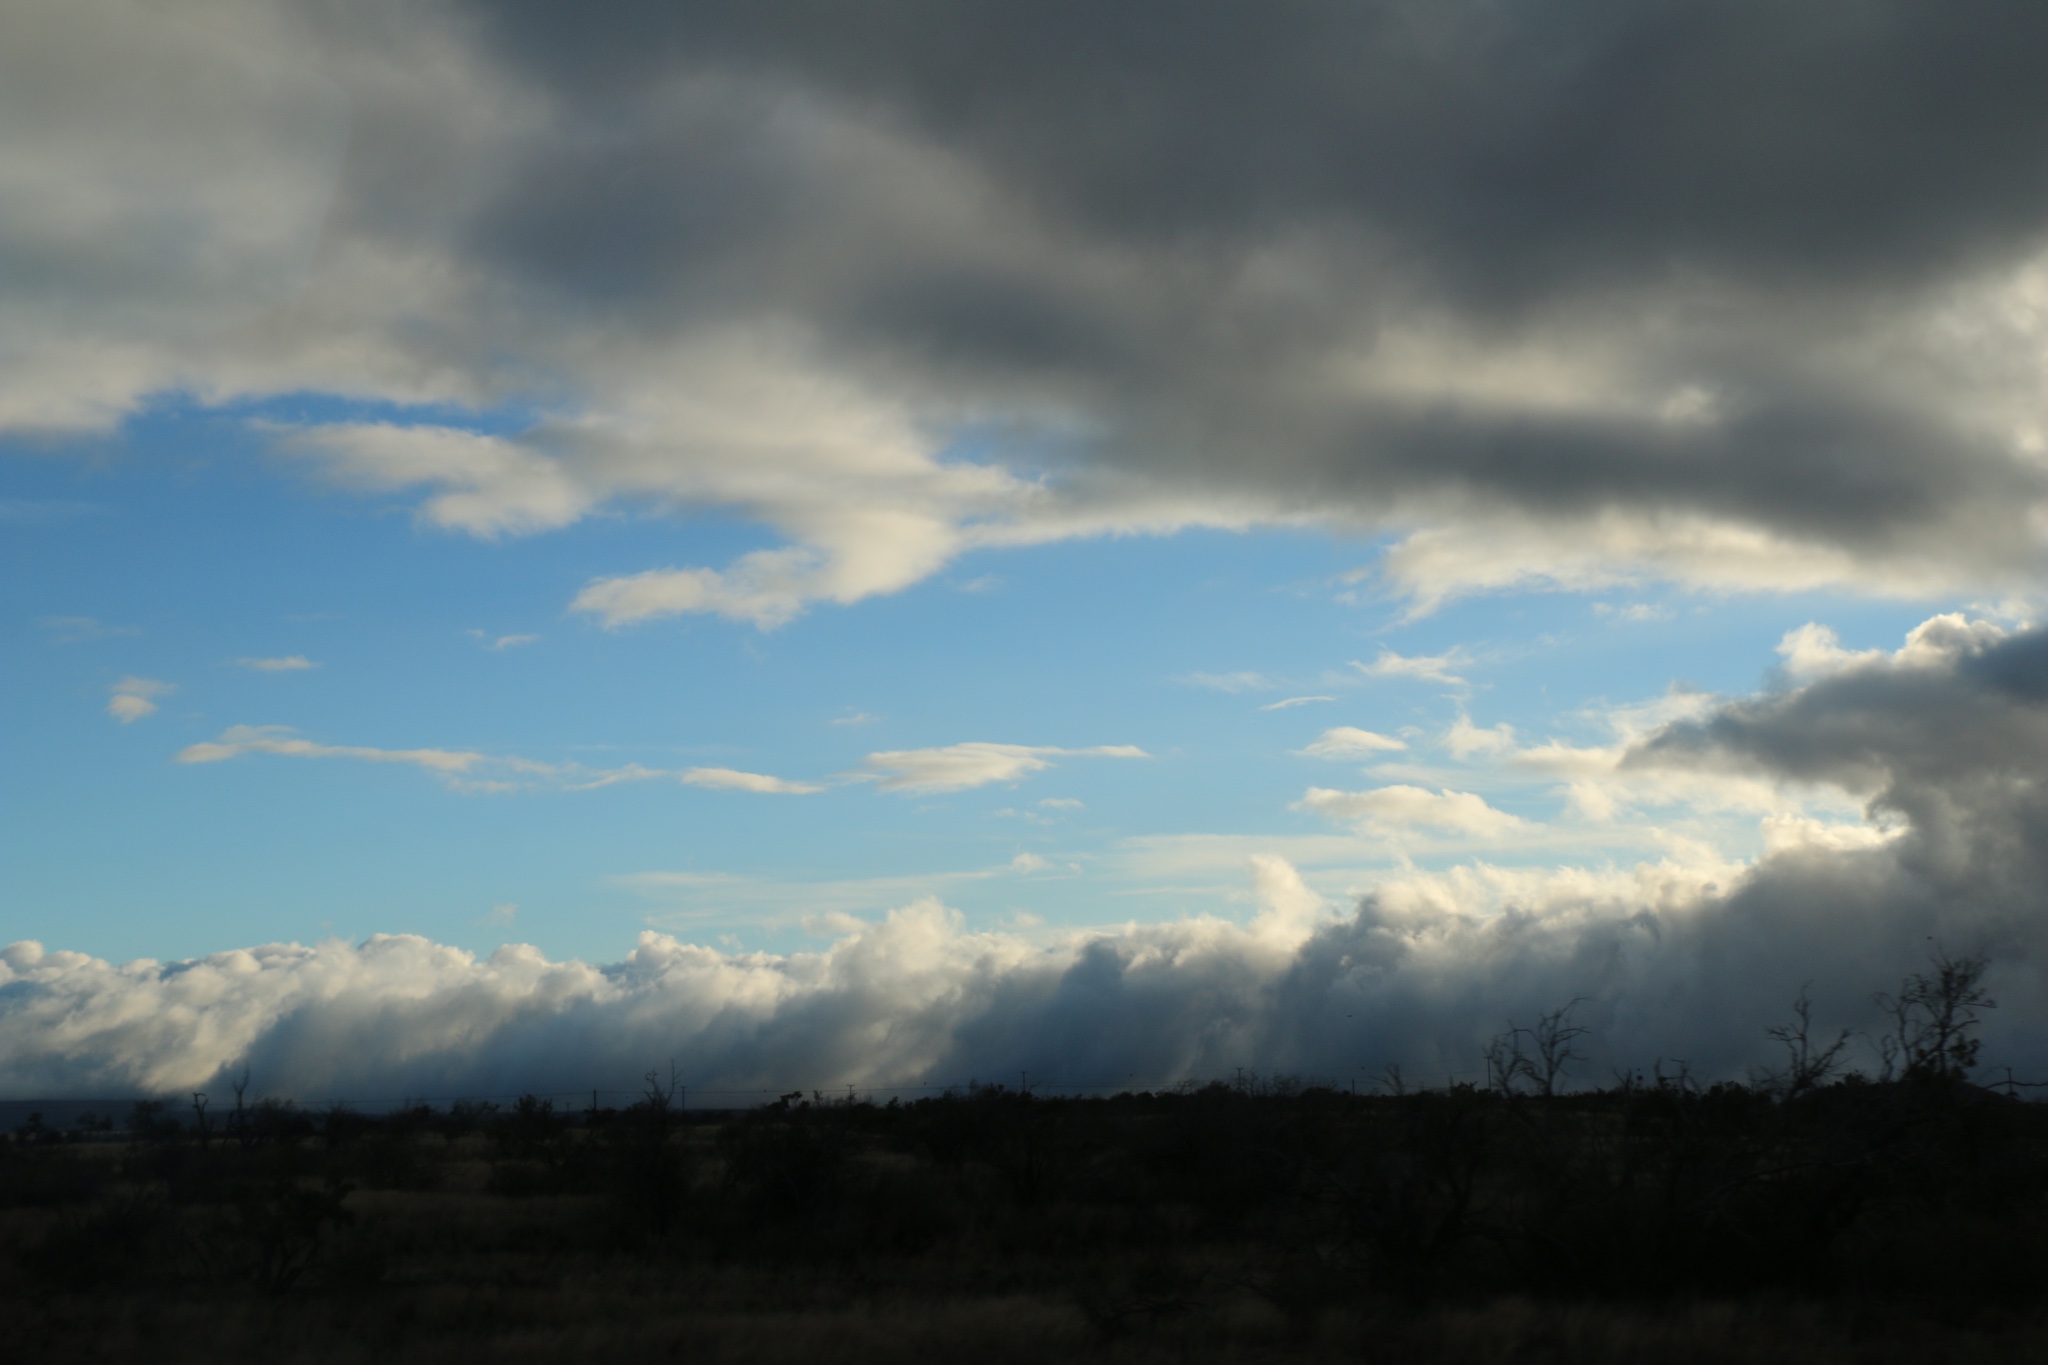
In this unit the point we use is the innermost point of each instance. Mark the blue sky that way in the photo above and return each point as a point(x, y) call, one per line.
point(180, 550)
point(974, 536)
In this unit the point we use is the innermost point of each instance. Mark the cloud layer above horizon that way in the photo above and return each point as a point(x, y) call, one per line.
point(1942, 740)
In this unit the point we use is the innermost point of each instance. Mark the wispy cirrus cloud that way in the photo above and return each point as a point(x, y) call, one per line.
point(1426, 667)
point(500, 643)
point(1230, 682)
point(1348, 741)
point(290, 663)
point(475, 771)
point(1290, 702)
point(238, 741)
point(960, 767)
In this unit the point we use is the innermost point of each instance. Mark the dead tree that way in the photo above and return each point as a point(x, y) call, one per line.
point(1808, 1064)
point(1935, 1017)
point(1542, 1056)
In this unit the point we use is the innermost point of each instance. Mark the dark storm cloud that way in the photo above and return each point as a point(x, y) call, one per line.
point(1516, 148)
point(1690, 270)
point(1951, 735)
point(1213, 201)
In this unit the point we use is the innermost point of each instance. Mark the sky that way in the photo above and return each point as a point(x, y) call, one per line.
point(877, 545)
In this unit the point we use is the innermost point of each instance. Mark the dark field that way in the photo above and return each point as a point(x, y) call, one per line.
point(1902, 1221)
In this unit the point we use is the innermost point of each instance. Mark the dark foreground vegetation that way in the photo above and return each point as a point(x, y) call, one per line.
point(1802, 1216)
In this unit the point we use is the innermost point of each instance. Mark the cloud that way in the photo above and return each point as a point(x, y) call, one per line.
point(1427, 667)
point(1689, 954)
point(1231, 682)
point(239, 740)
point(959, 767)
point(730, 779)
point(1348, 741)
point(504, 642)
point(292, 663)
point(1465, 739)
point(853, 717)
point(131, 698)
point(1061, 803)
point(1634, 612)
point(1405, 807)
point(471, 771)
point(1292, 702)
point(896, 294)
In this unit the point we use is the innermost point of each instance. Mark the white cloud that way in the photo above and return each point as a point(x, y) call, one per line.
point(1427, 667)
point(1814, 650)
point(1348, 741)
point(1465, 739)
point(291, 663)
point(731, 779)
point(1061, 803)
point(131, 698)
point(239, 740)
point(1027, 863)
point(1403, 807)
point(1293, 701)
point(504, 642)
point(959, 767)
point(472, 771)
point(490, 485)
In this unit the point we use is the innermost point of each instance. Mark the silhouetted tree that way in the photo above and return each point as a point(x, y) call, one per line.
point(1935, 1017)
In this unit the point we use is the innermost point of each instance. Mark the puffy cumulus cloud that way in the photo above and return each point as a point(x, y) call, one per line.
point(958, 767)
point(132, 698)
point(1348, 741)
point(1948, 736)
point(1688, 957)
point(1404, 807)
point(1547, 296)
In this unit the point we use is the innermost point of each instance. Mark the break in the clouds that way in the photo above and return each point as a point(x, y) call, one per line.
point(1745, 295)
point(1674, 959)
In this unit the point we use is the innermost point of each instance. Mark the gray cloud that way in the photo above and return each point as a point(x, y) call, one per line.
point(1747, 294)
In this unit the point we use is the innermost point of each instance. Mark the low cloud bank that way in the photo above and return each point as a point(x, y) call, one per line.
point(1947, 737)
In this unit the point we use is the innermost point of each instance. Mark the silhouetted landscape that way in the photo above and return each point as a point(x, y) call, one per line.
point(1809, 1213)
